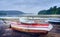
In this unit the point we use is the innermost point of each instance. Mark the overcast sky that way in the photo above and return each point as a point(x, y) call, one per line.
point(28, 6)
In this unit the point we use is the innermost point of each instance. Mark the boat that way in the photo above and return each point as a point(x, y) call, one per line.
point(54, 20)
point(31, 25)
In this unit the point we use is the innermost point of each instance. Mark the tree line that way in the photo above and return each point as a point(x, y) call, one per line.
point(51, 10)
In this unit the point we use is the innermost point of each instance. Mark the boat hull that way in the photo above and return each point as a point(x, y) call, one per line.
point(29, 30)
point(54, 22)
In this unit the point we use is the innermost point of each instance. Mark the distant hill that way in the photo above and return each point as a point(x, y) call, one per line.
point(10, 13)
point(52, 10)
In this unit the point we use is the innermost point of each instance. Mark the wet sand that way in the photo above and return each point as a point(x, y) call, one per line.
point(5, 31)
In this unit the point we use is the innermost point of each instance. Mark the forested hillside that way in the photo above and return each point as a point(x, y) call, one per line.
point(52, 10)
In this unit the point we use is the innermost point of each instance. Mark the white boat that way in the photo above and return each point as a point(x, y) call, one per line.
point(54, 20)
point(31, 25)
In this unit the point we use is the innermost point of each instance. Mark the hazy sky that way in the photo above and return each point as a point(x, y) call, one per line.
point(28, 6)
